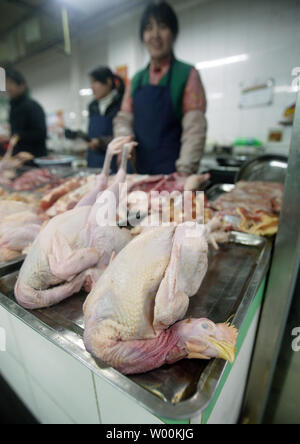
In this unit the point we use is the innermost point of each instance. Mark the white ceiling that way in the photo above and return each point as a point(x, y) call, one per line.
point(89, 7)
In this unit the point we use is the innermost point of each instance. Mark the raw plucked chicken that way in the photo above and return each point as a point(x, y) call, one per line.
point(17, 231)
point(8, 207)
point(132, 313)
point(72, 250)
point(19, 226)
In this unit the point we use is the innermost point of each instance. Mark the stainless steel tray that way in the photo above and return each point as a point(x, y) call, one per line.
point(216, 190)
point(184, 389)
point(267, 168)
point(59, 160)
point(10, 266)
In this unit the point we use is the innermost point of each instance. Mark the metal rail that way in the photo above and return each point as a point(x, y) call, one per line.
point(280, 289)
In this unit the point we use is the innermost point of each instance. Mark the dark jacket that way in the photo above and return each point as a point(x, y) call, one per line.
point(27, 120)
point(111, 111)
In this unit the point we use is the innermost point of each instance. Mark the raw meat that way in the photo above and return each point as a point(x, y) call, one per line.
point(132, 312)
point(50, 198)
point(72, 250)
point(8, 207)
point(252, 207)
point(32, 179)
point(69, 200)
point(7, 255)
point(19, 226)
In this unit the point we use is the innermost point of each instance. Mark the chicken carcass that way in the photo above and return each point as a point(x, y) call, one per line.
point(72, 250)
point(9, 207)
point(19, 230)
point(19, 226)
point(8, 255)
point(132, 313)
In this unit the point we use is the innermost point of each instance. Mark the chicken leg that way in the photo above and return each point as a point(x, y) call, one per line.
point(70, 252)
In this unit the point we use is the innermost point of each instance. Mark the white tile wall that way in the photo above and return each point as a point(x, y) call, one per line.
point(16, 376)
point(116, 408)
point(48, 411)
point(11, 340)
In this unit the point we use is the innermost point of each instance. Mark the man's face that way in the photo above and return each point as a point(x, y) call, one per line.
point(13, 89)
point(158, 39)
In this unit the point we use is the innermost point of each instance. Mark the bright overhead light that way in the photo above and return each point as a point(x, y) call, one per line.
point(221, 62)
point(277, 164)
point(86, 92)
point(286, 89)
point(216, 96)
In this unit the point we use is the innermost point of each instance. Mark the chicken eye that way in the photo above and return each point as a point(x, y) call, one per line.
point(208, 325)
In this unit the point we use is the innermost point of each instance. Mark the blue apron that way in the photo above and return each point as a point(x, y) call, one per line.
point(157, 128)
point(100, 126)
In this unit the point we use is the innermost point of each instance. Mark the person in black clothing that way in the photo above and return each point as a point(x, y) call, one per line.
point(27, 118)
point(108, 89)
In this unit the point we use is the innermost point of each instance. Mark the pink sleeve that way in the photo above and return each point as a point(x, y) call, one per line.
point(127, 104)
point(194, 95)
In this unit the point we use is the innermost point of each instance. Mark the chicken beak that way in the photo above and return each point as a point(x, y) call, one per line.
point(225, 350)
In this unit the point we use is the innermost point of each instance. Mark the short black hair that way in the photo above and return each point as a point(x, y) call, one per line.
point(161, 12)
point(15, 76)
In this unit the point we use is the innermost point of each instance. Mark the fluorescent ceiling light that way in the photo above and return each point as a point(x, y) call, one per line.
point(221, 62)
point(286, 89)
point(86, 92)
point(277, 164)
point(216, 96)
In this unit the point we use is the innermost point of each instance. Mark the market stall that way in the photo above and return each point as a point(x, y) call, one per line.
point(60, 381)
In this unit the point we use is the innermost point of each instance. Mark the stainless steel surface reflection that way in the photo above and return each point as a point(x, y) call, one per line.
point(10, 266)
point(268, 168)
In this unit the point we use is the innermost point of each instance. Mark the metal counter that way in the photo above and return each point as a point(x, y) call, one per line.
point(184, 389)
